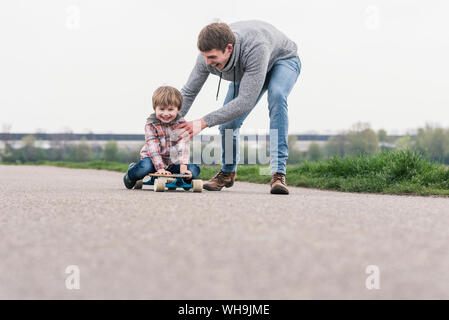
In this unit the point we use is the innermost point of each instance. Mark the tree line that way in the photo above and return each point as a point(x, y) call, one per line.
point(81, 151)
point(432, 142)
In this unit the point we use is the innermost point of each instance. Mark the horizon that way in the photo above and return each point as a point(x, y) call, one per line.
point(91, 66)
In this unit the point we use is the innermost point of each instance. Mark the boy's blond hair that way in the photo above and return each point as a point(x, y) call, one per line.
point(167, 96)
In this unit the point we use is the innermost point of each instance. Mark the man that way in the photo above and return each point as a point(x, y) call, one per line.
point(255, 57)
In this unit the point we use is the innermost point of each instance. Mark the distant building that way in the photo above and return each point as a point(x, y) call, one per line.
point(134, 141)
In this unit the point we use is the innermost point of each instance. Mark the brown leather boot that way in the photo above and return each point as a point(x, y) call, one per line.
point(220, 180)
point(278, 185)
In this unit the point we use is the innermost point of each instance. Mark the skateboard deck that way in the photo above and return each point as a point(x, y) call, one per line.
point(170, 181)
point(175, 175)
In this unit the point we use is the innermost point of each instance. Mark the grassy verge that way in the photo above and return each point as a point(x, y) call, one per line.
point(98, 164)
point(399, 172)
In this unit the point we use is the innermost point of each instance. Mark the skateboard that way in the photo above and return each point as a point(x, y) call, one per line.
point(171, 181)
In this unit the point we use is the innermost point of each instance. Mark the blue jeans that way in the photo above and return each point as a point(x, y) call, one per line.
point(278, 82)
point(145, 166)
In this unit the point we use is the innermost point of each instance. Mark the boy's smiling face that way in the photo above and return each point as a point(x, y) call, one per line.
point(166, 114)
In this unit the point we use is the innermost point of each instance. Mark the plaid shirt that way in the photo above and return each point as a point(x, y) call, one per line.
point(161, 143)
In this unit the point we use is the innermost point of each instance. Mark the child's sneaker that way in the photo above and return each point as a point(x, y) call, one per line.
point(128, 182)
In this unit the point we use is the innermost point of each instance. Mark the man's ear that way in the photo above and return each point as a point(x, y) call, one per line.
point(230, 47)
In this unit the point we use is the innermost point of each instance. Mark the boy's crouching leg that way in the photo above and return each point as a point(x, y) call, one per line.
point(195, 169)
point(136, 172)
point(129, 184)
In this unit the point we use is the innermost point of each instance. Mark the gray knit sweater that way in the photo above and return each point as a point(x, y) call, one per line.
point(258, 46)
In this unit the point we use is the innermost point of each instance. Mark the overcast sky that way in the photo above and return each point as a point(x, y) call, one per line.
point(92, 65)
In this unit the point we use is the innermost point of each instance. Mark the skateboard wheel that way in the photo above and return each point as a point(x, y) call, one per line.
point(197, 185)
point(163, 179)
point(159, 185)
point(138, 184)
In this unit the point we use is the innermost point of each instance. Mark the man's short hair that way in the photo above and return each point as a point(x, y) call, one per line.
point(167, 96)
point(216, 35)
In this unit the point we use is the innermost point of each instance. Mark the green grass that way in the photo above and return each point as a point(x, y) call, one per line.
point(97, 164)
point(398, 172)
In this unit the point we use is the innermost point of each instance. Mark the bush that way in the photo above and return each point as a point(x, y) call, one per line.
point(110, 151)
point(433, 142)
point(337, 146)
point(294, 155)
point(80, 152)
point(314, 152)
point(362, 140)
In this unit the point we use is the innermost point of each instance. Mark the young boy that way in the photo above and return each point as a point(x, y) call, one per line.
point(162, 153)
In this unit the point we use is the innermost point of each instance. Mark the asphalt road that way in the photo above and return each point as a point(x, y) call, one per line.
point(240, 243)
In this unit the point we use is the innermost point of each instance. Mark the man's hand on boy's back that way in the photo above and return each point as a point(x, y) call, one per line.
point(190, 128)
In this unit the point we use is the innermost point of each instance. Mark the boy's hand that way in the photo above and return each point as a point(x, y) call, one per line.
point(183, 170)
point(188, 172)
point(163, 171)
